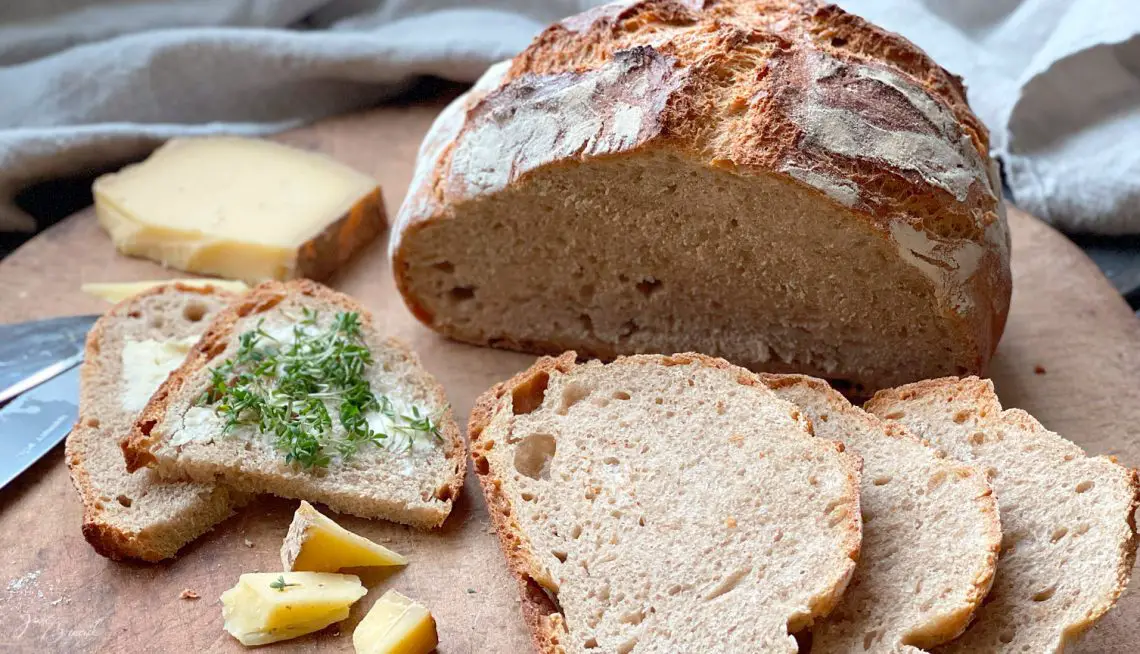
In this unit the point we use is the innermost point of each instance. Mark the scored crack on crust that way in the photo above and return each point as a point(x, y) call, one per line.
point(138, 448)
point(110, 538)
point(541, 611)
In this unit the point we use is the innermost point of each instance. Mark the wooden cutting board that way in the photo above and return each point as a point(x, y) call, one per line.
point(1070, 355)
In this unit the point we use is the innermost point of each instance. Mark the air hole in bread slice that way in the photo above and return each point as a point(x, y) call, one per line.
point(1058, 534)
point(156, 322)
point(882, 480)
point(529, 394)
point(124, 500)
point(648, 286)
point(1044, 594)
point(444, 266)
point(1006, 636)
point(627, 646)
point(572, 394)
point(621, 395)
point(93, 423)
point(1085, 486)
point(461, 294)
point(194, 311)
point(534, 454)
point(731, 581)
point(895, 415)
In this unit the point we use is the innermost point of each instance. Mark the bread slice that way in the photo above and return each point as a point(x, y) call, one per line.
point(1068, 529)
point(930, 532)
point(775, 182)
point(664, 504)
point(408, 479)
point(134, 515)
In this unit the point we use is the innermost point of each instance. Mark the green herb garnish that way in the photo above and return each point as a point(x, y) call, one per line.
point(293, 390)
point(279, 583)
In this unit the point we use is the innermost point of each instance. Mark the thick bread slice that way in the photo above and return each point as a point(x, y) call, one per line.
point(775, 182)
point(1069, 533)
point(664, 504)
point(930, 532)
point(134, 515)
point(413, 485)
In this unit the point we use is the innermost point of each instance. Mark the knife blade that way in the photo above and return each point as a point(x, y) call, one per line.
point(35, 422)
point(33, 352)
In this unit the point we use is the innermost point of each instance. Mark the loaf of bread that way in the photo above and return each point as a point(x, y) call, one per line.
point(778, 183)
point(1068, 523)
point(129, 352)
point(664, 504)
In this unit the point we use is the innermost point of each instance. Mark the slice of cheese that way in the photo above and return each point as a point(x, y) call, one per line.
point(240, 208)
point(119, 291)
point(395, 625)
point(146, 364)
point(266, 607)
point(316, 543)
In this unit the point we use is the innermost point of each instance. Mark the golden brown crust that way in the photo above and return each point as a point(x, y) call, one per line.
point(541, 612)
point(106, 538)
point(137, 448)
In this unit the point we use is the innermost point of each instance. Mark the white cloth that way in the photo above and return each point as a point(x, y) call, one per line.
point(88, 83)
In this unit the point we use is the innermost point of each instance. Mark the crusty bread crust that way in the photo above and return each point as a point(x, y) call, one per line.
point(138, 447)
point(979, 394)
point(540, 610)
point(746, 125)
point(106, 535)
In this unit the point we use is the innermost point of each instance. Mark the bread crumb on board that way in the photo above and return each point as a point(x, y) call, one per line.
point(1039, 369)
point(248, 542)
point(188, 594)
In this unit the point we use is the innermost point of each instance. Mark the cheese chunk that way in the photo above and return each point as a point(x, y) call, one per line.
point(119, 291)
point(395, 625)
point(316, 543)
point(266, 607)
point(240, 208)
point(146, 364)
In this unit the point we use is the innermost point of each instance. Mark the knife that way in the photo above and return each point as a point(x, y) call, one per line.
point(34, 352)
point(36, 421)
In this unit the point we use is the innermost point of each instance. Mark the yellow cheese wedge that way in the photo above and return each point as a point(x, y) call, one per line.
point(240, 208)
point(266, 607)
point(316, 543)
point(395, 625)
point(119, 291)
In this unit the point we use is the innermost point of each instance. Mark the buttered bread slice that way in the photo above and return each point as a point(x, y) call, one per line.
point(292, 391)
point(1068, 536)
point(240, 208)
point(129, 353)
point(664, 504)
point(930, 532)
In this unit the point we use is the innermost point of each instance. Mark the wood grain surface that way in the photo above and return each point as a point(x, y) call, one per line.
point(1070, 356)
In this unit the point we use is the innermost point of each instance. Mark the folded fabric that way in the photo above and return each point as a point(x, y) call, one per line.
point(87, 84)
